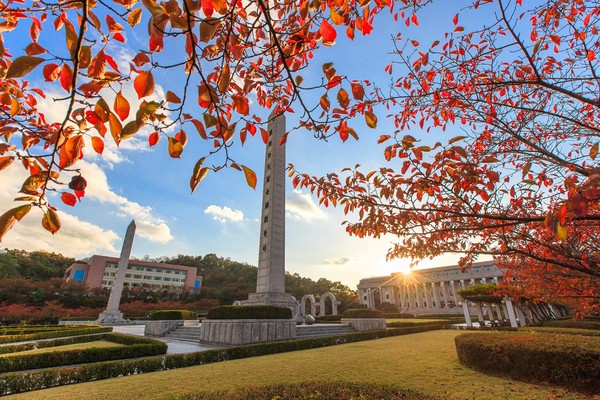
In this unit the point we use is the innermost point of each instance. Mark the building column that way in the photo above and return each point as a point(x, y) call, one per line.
point(479, 313)
point(446, 294)
point(491, 314)
point(418, 300)
point(511, 312)
point(427, 296)
point(436, 293)
point(401, 295)
point(455, 295)
point(520, 315)
point(467, 313)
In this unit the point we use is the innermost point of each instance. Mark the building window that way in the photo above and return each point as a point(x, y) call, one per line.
point(268, 166)
point(268, 155)
point(265, 233)
point(127, 275)
point(264, 248)
point(269, 178)
point(266, 218)
point(267, 204)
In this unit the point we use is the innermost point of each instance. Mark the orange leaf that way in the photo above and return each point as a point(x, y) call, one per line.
point(240, 104)
point(370, 119)
point(50, 221)
point(198, 174)
point(121, 106)
point(594, 151)
point(199, 128)
point(115, 127)
point(343, 98)
point(181, 136)
point(328, 33)
point(70, 151)
point(224, 79)
point(51, 72)
point(144, 84)
point(6, 161)
point(358, 92)
point(98, 144)
point(135, 17)
point(206, 95)
point(69, 199)
point(250, 177)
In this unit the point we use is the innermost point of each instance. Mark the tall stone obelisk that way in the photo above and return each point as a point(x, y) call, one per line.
point(112, 313)
point(270, 282)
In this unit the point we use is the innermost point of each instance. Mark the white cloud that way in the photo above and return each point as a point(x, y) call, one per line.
point(148, 225)
point(76, 238)
point(337, 261)
point(224, 214)
point(300, 206)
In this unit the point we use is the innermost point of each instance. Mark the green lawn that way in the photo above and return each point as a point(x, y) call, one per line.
point(425, 362)
point(77, 346)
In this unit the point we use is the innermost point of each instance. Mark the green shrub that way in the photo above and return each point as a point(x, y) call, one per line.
point(23, 382)
point(563, 331)
point(134, 347)
point(398, 315)
point(49, 343)
point(572, 361)
point(160, 315)
point(250, 312)
point(26, 329)
point(362, 313)
point(584, 323)
point(76, 330)
point(314, 390)
point(328, 318)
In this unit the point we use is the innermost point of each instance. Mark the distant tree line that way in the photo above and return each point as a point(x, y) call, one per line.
point(36, 279)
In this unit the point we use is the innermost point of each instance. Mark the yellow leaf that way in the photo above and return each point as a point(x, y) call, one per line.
point(370, 119)
point(135, 17)
point(208, 29)
point(198, 174)
point(175, 148)
point(50, 221)
point(561, 232)
point(23, 65)
point(594, 151)
point(224, 79)
point(250, 177)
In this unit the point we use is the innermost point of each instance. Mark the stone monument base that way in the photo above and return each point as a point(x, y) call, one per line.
point(272, 299)
point(110, 317)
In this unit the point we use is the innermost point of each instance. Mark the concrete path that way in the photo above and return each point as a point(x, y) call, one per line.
point(174, 346)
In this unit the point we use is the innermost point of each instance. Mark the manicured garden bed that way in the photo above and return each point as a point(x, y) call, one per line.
point(56, 331)
point(569, 360)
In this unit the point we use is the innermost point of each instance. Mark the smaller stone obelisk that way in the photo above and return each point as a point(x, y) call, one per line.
point(112, 313)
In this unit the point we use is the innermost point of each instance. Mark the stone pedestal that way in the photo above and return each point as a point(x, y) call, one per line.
point(366, 324)
point(246, 331)
point(272, 299)
point(110, 317)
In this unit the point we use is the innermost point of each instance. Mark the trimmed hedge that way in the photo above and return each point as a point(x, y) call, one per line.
point(49, 343)
point(362, 313)
point(572, 361)
point(314, 390)
point(328, 318)
point(20, 330)
point(134, 347)
point(250, 312)
point(51, 334)
point(402, 324)
point(160, 315)
point(564, 331)
point(584, 323)
point(23, 382)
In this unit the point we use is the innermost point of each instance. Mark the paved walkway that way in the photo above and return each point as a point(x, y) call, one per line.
point(174, 346)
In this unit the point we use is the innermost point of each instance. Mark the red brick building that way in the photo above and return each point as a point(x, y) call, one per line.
point(100, 271)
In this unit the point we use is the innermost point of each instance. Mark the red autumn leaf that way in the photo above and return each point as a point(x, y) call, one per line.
point(51, 72)
point(66, 77)
point(69, 199)
point(153, 139)
point(327, 32)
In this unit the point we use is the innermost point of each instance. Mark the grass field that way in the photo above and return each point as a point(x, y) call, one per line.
point(421, 321)
point(425, 362)
point(77, 346)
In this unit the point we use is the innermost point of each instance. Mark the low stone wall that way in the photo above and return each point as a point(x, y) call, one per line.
point(366, 324)
point(160, 328)
point(245, 331)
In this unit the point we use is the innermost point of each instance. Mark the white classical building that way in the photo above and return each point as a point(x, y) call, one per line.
point(427, 291)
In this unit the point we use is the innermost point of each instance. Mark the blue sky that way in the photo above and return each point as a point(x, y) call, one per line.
point(145, 184)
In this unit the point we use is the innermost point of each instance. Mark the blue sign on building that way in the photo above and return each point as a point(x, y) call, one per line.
point(78, 275)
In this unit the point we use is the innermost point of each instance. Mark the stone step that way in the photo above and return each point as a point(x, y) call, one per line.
point(308, 331)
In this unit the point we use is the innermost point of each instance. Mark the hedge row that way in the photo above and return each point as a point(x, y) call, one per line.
point(585, 323)
point(49, 343)
point(314, 390)
point(564, 331)
point(160, 315)
point(402, 324)
point(328, 318)
point(23, 382)
point(79, 330)
point(572, 361)
point(20, 330)
point(134, 347)
point(362, 313)
point(250, 312)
